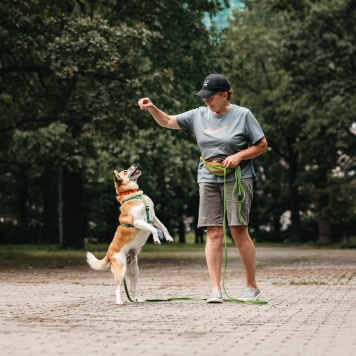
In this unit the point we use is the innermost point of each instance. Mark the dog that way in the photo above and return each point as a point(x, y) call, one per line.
point(136, 222)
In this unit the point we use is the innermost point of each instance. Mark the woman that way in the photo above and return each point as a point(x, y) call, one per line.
point(229, 133)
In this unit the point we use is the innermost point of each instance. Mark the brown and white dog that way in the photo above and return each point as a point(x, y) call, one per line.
point(137, 222)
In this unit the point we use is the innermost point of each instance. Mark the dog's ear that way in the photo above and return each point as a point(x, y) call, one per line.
point(117, 178)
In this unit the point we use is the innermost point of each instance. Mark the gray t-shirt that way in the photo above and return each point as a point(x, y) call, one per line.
point(222, 135)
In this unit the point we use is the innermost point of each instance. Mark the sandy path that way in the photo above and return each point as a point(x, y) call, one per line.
point(71, 311)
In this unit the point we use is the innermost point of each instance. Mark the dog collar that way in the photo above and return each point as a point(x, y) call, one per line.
point(128, 192)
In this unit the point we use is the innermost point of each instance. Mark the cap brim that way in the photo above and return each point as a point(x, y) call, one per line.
point(205, 93)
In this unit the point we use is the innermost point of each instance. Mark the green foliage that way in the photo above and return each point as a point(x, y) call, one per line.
point(294, 65)
point(71, 75)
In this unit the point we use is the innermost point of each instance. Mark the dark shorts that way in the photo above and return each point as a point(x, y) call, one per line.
point(211, 207)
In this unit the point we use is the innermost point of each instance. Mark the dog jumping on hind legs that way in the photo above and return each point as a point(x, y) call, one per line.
point(137, 221)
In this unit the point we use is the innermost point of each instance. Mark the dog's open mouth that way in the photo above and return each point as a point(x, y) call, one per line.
point(134, 173)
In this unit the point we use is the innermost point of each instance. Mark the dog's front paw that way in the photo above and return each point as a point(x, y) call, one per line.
point(169, 238)
point(156, 240)
point(119, 302)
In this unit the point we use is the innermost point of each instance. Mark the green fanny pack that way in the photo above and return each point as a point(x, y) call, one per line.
point(214, 166)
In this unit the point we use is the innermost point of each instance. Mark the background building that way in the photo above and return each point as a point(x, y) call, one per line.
point(222, 18)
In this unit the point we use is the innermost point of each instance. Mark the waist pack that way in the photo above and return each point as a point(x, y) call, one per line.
point(214, 166)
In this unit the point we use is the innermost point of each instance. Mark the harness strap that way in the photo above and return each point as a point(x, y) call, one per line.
point(132, 198)
point(126, 225)
point(146, 207)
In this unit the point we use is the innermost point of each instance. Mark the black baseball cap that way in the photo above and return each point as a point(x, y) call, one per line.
point(213, 83)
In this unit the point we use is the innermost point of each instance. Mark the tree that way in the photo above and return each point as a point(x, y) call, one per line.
point(71, 73)
point(59, 87)
point(251, 44)
point(294, 63)
point(322, 44)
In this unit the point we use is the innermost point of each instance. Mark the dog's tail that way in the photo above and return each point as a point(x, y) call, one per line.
point(96, 264)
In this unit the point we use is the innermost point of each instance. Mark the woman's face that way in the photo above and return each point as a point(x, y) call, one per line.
point(217, 103)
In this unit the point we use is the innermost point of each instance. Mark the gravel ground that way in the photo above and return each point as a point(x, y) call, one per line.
point(59, 309)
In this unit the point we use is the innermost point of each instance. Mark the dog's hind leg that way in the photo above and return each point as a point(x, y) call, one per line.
point(118, 268)
point(132, 273)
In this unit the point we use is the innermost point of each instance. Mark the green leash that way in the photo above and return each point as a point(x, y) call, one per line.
point(157, 300)
point(240, 192)
point(237, 186)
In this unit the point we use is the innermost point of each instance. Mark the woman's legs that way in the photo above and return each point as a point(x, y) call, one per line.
point(211, 212)
point(247, 253)
point(213, 254)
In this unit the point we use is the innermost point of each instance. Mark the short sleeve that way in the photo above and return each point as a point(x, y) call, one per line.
point(253, 129)
point(186, 120)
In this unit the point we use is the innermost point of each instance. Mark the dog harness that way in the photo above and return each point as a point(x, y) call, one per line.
point(146, 207)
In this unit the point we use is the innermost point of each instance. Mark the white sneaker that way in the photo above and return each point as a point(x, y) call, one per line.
point(215, 297)
point(250, 294)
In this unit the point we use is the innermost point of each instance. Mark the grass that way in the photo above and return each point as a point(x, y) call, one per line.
point(52, 256)
point(10, 252)
point(18, 251)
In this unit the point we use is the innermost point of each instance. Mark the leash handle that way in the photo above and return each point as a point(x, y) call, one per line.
point(240, 192)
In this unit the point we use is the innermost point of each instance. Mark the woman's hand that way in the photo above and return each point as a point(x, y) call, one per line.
point(232, 161)
point(145, 104)
point(251, 152)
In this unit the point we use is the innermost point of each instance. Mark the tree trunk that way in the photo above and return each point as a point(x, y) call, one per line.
point(50, 211)
point(73, 211)
point(112, 214)
point(277, 226)
point(324, 231)
point(199, 236)
point(295, 232)
point(181, 232)
point(24, 235)
point(323, 208)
